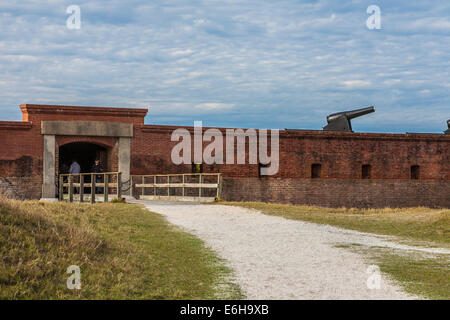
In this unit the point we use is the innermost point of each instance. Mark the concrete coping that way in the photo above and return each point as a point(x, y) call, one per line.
point(87, 128)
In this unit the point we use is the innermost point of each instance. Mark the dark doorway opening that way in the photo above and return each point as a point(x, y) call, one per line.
point(85, 153)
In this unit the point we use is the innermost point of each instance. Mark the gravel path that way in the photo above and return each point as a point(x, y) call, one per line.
point(277, 258)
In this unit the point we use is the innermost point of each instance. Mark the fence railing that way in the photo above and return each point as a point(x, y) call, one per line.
point(101, 187)
point(189, 186)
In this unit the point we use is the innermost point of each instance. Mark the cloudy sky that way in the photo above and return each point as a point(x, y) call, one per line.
point(253, 63)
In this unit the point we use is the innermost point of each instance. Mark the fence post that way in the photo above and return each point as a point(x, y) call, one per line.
point(218, 186)
point(200, 181)
point(183, 187)
point(93, 188)
point(154, 186)
point(61, 188)
point(70, 188)
point(119, 185)
point(168, 186)
point(131, 186)
point(142, 190)
point(106, 182)
point(81, 188)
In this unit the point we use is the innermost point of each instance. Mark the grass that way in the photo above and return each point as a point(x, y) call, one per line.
point(123, 250)
point(425, 276)
point(428, 277)
point(413, 224)
point(422, 275)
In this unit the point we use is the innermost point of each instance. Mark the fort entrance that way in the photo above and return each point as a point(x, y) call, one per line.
point(85, 153)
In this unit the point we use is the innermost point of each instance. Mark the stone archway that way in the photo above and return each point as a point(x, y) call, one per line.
point(85, 153)
point(50, 129)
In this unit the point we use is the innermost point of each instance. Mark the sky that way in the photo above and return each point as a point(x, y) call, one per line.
point(231, 63)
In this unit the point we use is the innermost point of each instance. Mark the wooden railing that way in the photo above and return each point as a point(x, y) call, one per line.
point(72, 186)
point(189, 186)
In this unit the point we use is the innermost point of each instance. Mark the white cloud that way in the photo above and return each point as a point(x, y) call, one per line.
point(213, 106)
point(390, 82)
point(357, 83)
point(179, 52)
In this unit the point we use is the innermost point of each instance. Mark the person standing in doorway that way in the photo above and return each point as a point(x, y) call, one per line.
point(75, 169)
point(97, 167)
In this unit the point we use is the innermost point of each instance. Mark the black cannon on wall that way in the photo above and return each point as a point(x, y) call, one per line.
point(448, 125)
point(340, 121)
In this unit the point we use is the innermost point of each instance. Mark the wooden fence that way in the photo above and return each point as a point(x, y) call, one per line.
point(203, 187)
point(101, 186)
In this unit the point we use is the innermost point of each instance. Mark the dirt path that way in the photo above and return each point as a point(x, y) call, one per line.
point(277, 258)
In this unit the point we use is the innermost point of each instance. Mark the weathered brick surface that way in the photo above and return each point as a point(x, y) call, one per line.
point(341, 156)
point(36, 113)
point(21, 147)
point(340, 192)
point(21, 187)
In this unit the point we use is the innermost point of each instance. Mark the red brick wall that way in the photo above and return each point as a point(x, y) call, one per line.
point(36, 113)
point(341, 156)
point(107, 142)
point(21, 187)
point(21, 147)
point(373, 193)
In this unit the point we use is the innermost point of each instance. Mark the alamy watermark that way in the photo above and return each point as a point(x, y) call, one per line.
point(374, 20)
point(74, 281)
point(235, 139)
point(374, 279)
point(73, 22)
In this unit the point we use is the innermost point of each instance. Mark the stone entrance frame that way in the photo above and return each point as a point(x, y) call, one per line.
point(50, 129)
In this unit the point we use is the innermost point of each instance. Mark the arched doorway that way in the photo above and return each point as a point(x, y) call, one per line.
point(84, 153)
point(117, 158)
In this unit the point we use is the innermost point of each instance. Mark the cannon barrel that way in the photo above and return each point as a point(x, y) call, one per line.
point(340, 121)
point(350, 114)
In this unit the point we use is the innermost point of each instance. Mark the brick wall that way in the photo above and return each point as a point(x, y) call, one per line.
point(21, 147)
point(339, 192)
point(340, 154)
point(21, 187)
point(36, 113)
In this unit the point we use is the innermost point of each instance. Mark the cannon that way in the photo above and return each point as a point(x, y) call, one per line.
point(340, 121)
point(448, 125)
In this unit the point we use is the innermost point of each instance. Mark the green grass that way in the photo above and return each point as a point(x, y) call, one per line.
point(428, 277)
point(424, 276)
point(123, 250)
point(413, 224)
